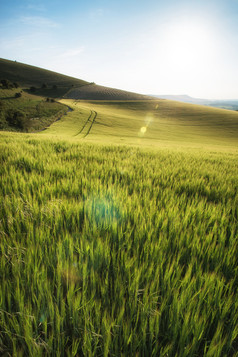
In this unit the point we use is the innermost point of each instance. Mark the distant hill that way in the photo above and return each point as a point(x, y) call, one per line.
point(225, 104)
point(231, 104)
point(183, 98)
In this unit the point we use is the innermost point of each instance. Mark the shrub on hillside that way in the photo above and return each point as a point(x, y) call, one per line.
point(33, 89)
point(3, 122)
point(6, 84)
point(18, 95)
point(2, 116)
point(16, 119)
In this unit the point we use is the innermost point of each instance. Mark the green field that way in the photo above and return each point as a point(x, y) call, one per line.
point(149, 124)
point(114, 250)
point(118, 231)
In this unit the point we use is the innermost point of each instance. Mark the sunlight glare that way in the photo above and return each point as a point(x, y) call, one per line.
point(188, 45)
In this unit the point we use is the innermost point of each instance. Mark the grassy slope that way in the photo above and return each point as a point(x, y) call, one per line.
point(66, 86)
point(27, 75)
point(165, 121)
point(38, 113)
point(96, 92)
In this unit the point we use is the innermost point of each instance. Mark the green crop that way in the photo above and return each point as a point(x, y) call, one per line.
point(116, 250)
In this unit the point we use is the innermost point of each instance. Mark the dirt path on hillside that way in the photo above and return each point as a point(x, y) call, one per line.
point(87, 126)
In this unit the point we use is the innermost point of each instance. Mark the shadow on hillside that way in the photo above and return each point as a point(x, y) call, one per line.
point(48, 92)
point(6, 98)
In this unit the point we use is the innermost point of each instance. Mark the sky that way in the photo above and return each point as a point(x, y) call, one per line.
point(147, 46)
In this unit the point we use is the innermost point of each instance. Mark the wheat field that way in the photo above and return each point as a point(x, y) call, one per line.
point(116, 250)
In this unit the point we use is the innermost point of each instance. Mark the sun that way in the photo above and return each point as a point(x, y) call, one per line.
point(188, 45)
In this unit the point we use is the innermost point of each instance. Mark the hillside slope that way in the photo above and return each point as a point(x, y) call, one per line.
point(147, 123)
point(21, 111)
point(112, 115)
point(27, 75)
point(97, 92)
point(67, 87)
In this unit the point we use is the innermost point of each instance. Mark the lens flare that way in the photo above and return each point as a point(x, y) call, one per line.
point(148, 121)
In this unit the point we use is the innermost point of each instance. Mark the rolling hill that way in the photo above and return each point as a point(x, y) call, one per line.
point(105, 114)
point(93, 91)
point(68, 87)
point(27, 75)
point(147, 123)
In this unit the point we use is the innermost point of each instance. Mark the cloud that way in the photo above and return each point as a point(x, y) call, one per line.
point(95, 14)
point(16, 42)
point(36, 7)
point(38, 21)
point(72, 52)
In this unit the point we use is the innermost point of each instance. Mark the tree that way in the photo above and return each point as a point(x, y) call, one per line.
point(2, 115)
point(33, 89)
point(18, 95)
point(6, 84)
point(44, 86)
point(16, 118)
point(3, 122)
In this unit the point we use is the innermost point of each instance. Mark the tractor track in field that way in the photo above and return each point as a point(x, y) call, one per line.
point(94, 116)
point(86, 128)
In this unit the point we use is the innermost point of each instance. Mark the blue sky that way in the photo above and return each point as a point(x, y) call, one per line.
point(146, 46)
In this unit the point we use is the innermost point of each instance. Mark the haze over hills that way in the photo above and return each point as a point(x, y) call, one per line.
point(183, 98)
point(224, 104)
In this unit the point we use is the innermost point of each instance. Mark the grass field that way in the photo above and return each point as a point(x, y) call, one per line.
point(119, 228)
point(117, 251)
point(150, 123)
